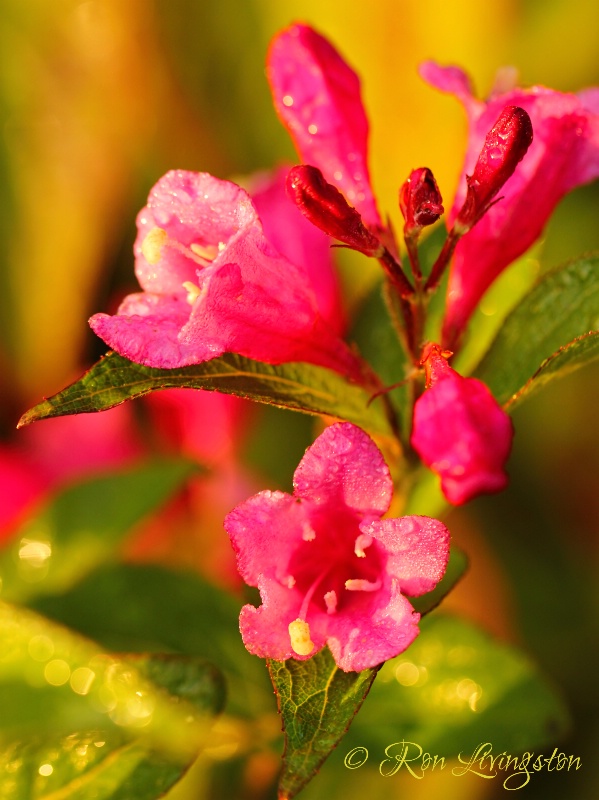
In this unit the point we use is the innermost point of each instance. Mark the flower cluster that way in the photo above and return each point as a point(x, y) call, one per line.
point(223, 270)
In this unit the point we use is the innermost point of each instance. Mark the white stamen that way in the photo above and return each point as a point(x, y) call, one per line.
point(362, 542)
point(362, 585)
point(207, 252)
point(308, 532)
point(330, 599)
point(193, 291)
point(299, 634)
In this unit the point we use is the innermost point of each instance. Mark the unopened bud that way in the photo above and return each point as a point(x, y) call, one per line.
point(505, 146)
point(324, 205)
point(420, 200)
point(460, 431)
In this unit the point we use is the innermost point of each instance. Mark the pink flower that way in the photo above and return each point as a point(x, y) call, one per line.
point(317, 96)
point(213, 283)
point(300, 242)
point(460, 431)
point(329, 569)
point(563, 155)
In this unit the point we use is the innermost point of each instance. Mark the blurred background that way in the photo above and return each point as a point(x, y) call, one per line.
point(98, 98)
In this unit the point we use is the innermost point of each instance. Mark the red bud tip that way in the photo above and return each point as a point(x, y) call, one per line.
point(505, 146)
point(420, 200)
point(324, 205)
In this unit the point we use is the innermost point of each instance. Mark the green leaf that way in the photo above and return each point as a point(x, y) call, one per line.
point(298, 386)
point(454, 688)
point(317, 702)
point(567, 359)
point(458, 564)
point(377, 342)
point(54, 683)
point(153, 608)
point(80, 527)
point(557, 315)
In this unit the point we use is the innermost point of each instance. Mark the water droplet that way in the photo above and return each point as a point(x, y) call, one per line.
point(312, 129)
point(46, 769)
point(288, 100)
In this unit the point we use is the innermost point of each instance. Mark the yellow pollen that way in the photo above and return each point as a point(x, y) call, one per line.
point(299, 633)
point(193, 291)
point(152, 245)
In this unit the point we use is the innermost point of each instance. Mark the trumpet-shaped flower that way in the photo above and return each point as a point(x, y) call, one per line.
point(564, 154)
point(329, 569)
point(213, 283)
point(317, 96)
point(460, 431)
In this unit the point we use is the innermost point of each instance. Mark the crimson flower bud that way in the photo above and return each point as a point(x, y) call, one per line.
point(324, 205)
point(420, 200)
point(460, 431)
point(505, 146)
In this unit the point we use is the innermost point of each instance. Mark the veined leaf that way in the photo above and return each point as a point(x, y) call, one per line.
point(317, 702)
point(567, 359)
point(298, 386)
point(547, 334)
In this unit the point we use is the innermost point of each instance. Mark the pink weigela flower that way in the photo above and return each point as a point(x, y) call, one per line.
point(460, 431)
point(213, 283)
point(564, 154)
point(329, 569)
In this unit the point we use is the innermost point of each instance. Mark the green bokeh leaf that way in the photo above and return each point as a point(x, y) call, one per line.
point(557, 312)
point(80, 527)
point(298, 386)
point(317, 702)
point(454, 688)
point(152, 608)
point(54, 680)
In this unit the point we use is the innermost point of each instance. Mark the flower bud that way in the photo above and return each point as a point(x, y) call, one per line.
point(325, 207)
point(460, 431)
point(505, 146)
point(420, 201)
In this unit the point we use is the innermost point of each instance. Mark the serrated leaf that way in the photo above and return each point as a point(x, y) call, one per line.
point(452, 689)
point(317, 702)
point(298, 386)
point(560, 309)
point(457, 565)
point(54, 682)
point(79, 527)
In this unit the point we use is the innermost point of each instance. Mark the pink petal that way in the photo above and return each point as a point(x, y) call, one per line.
point(193, 208)
point(345, 469)
point(147, 330)
point(462, 433)
point(265, 532)
point(317, 96)
point(418, 548)
point(265, 630)
point(564, 154)
point(368, 635)
point(242, 296)
point(301, 243)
